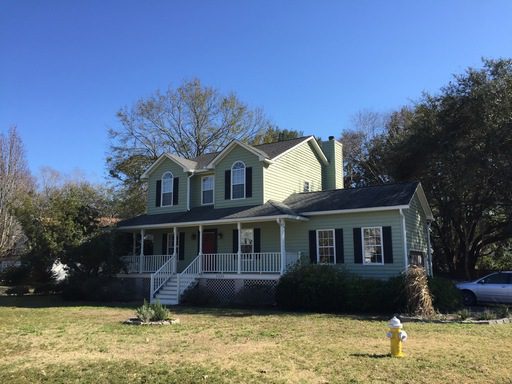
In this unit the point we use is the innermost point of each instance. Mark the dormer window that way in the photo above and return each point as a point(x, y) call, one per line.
point(167, 187)
point(238, 180)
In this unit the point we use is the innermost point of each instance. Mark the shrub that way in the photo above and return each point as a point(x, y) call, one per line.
point(328, 289)
point(152, 312)
point(47, 289)
point(464, 314)
point(15, 275)
point(18, 290)
point(96, 288)
point(313, 288)
point(502, 311)
point(486, 315)
point(446, 297)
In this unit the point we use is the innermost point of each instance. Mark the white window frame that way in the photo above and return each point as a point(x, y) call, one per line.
point(213, 189)
point(251, 230)
point(333, 246)
point(308, 183)
point(162, 190)
point(381, 246)
point(170, 240)
point(243, 178)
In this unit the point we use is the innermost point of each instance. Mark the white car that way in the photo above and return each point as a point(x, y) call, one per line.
point(494, 288)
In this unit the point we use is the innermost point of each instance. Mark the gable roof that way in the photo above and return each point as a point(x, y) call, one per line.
point(187, 165)
point(262, 156)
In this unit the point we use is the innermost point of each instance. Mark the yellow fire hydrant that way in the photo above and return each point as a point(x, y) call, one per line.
point(397, 337)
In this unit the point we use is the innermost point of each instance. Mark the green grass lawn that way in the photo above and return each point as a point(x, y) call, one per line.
point(44, 340)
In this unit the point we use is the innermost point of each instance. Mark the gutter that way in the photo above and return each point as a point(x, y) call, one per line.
point(404, 235)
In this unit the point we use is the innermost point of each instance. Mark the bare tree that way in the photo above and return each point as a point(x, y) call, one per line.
point(368, 127)
point(188, 121)
point(14, 181)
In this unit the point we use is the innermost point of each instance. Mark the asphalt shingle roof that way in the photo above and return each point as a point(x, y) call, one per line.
point(386, 195)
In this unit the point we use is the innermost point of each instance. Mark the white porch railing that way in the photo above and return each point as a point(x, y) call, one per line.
point(188, 276)
point(148, 264)
point(160, 277)
point(262, 262)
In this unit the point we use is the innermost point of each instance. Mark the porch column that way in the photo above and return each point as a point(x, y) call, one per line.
point(175, 253)
point(200, 252)
point(134, 243)
point(141, 256)
point(282, 231)
point(239, 251)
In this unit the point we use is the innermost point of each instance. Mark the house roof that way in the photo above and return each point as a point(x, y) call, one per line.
point(385, 195)
point(298, 206)
point(267, 151)
point(202, 215)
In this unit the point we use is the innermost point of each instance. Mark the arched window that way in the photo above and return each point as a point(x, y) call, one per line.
point(238, 180)
point(167, 181)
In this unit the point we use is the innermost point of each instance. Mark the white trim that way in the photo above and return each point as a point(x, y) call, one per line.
point(220, 222)
point(404, 235)
point(188, 190)
point(318, 246)
point(323, 158)
point(213, 189)
point(162, 190)
point(260, 154)
point(423, 201)
point(334, 212)
point(381, 245)
point(244, 179)
point(174, 159)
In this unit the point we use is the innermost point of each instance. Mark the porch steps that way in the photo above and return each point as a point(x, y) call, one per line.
point(168, 294)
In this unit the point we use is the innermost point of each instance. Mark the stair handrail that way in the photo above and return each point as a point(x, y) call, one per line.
point(162, 274)
point(192, 270)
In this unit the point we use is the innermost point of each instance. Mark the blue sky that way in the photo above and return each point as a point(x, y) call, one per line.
point(67, 66)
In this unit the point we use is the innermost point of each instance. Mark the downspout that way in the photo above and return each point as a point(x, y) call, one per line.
point(188, 190)
point(404, 235)
point(429, 250)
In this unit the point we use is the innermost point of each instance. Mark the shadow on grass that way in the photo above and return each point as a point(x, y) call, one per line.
point(371, 355)
point(52, 301)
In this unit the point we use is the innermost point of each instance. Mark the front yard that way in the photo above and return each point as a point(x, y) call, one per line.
point(44, 341)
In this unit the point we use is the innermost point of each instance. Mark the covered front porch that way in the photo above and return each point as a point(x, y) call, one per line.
point(175, 251)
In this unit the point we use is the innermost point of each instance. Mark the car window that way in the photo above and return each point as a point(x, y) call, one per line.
point(497, 278)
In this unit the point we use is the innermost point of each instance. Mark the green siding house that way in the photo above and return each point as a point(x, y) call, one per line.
point(242, 216)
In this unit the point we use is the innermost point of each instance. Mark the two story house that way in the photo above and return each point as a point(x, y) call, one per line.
point(243, 215)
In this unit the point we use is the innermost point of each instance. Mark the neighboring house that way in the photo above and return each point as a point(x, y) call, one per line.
point(241, 216)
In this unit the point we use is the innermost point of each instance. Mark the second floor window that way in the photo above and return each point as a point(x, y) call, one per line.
point(238, 180)
point(207, 190)
point(167, 185)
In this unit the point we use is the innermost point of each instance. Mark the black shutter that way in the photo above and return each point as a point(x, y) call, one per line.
point(358, 247)
point(181, 246)
point(227, 184)
point(176, 191)
point(338, 233)
point(257, 240)
point(235, 240)
point(387, 245)
point(248, 182)
point(164, 243)
point(312, 247)
point(158, 192)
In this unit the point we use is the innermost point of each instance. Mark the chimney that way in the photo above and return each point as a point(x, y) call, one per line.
point(332, 174)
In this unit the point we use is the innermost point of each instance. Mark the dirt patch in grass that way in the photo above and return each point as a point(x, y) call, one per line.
point(90, 344)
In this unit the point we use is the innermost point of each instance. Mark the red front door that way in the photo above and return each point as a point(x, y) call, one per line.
point(209, 248)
